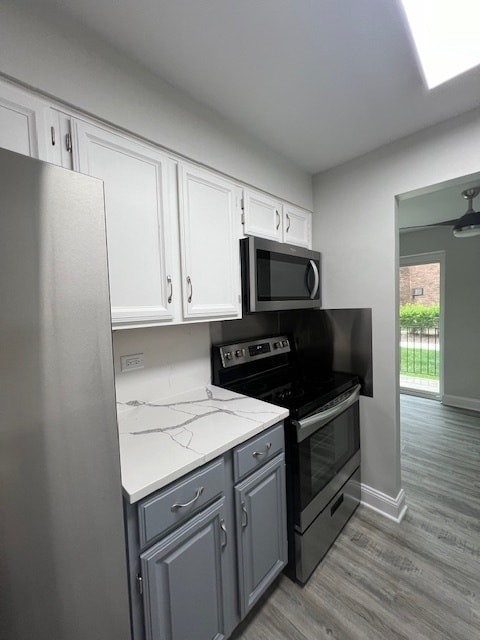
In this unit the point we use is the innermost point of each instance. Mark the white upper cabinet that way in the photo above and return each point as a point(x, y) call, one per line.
point(267, 217)
point(262, 215)
point(164, 269)
point(137, 181)
point(22, 126)
point(173, 228)
point(297, 226)
point(209, 208)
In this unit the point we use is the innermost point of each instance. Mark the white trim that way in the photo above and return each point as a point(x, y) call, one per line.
point(462, 403)
point(392, 508)
point(420, 393)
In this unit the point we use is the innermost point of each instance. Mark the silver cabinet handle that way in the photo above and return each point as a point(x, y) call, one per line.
point(257, 454)
point(170, 295)
point(189, 282)
point(68, 142)
point(52, 133)
point(278, 218)
point(224, 531)
point(289, 223)
point(197, 495)
point(244, 513)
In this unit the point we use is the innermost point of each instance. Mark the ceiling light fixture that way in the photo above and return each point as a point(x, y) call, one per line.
point(445, 33)
point(469, 224)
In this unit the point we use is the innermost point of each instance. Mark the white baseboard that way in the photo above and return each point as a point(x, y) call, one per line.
point(393, 508)
point(462, 403)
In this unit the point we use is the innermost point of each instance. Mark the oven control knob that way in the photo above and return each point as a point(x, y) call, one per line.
point(285, 343)
point(277, 345)
point(240, 353)
point(228, 355)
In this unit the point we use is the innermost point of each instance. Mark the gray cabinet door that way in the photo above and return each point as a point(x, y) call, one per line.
point(261, 530)
point(183, 580)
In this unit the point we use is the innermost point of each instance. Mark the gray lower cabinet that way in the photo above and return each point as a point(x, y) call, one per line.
point(203, 549)
point(183, 584)
point(261, 530)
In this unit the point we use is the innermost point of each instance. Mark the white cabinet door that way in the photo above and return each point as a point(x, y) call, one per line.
point(137, 183)
point(297, 226)
point(262, 215)
point(209, 235)
point(267, 217)
point(22, 126)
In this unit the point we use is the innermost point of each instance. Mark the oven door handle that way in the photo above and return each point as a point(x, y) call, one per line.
point(309, 425)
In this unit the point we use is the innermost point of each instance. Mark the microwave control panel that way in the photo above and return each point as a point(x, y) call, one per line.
point(234, 354)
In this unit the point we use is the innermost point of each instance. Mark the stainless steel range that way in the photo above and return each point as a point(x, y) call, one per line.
point(322, 438)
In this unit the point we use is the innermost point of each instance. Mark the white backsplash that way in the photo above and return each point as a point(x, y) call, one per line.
point(176, 359)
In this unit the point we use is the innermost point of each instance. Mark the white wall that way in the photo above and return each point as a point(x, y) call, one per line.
point(356, 230)
point(461, 355)
point(79, 69)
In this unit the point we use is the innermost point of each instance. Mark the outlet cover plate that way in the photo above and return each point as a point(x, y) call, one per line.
point(131, 362)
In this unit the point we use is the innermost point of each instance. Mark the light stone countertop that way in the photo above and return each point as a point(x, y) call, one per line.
point(162, 441)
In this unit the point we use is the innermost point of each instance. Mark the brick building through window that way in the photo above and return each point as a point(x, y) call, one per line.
point(420, 284)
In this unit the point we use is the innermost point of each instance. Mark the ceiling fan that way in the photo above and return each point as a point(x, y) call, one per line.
point(467, 225)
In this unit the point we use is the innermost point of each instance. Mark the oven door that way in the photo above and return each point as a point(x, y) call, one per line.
point(278, 276)
point(327, 452)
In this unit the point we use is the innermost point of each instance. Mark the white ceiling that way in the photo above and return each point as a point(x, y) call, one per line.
point(319, 81)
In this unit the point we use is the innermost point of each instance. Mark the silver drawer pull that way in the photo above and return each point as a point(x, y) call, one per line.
point(268, 446)
point(244, 513)
point(177, 505)
point(170, 294)
point(224, 530)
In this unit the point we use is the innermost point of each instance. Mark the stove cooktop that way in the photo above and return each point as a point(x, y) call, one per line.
point(267, 369)
point(299, 394)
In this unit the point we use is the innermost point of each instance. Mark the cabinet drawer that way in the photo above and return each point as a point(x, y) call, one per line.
point(174, 504)
point(251, 455)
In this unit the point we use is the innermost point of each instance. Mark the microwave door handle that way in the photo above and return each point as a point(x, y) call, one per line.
point(309, 425)
point(316, 275)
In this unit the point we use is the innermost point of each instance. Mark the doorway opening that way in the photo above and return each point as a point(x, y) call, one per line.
point(420, 311)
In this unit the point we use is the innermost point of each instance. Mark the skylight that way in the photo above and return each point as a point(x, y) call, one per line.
point(446, 35)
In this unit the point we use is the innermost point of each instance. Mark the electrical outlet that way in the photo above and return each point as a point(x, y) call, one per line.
point(128, 363)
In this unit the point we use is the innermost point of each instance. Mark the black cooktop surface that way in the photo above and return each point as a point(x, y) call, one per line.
point(300, 394)
point(268, 369)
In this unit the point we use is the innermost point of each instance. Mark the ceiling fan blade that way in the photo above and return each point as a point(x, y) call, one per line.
point(450, 223)
point(464, 226)
point(447, 223)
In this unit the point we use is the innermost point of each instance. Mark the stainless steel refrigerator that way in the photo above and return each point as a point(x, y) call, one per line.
point(62, 549)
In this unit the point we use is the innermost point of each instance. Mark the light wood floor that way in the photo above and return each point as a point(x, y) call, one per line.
point(417, 580)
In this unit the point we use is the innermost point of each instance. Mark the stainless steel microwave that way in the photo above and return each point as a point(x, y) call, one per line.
point(278, 276)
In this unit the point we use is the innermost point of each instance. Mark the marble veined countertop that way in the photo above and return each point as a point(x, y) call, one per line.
point(162, 441)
